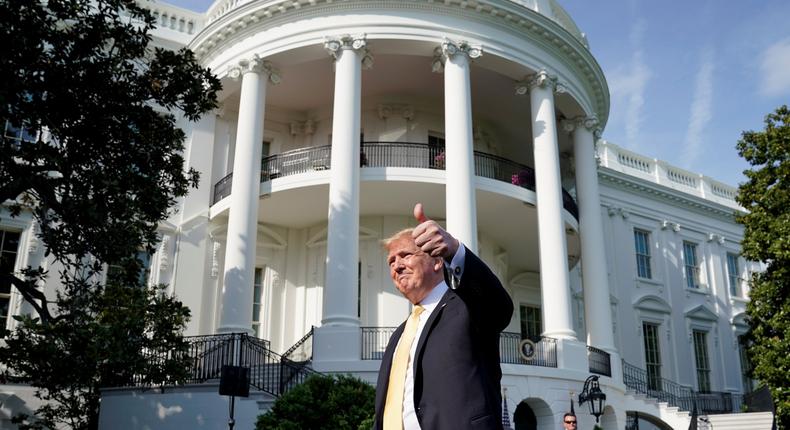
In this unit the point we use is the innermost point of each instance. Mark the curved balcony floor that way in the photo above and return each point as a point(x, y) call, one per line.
point(295, 194)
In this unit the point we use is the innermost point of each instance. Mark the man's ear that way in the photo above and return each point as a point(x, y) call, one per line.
point(438, 264)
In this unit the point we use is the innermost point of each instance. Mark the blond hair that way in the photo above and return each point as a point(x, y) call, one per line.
point(385, 243)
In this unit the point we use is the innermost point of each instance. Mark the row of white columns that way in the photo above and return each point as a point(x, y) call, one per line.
point(340, 318)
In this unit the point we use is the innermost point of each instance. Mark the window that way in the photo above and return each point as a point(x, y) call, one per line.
point(732, 274)
point(652, 356)
point(9, 245)
point(531, 324)
point(702, 361)
point(691, 265)
point(436, 152)
point(257, 302)
point(642, 249)
point(20, 134)
point(144, 257)
point(746, 365)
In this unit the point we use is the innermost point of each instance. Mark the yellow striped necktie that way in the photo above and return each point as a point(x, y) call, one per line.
point(393, 409)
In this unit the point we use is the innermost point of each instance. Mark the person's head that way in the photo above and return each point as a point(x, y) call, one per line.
point(413, 272)
point(569, 421)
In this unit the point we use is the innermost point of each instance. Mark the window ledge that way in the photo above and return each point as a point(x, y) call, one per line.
point(702, 290)
point(649, 281)
point(741, 300)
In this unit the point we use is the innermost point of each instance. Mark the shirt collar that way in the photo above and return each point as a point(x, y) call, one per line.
point(432, 299)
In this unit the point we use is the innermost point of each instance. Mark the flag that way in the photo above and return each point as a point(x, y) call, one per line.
point(505, 414)
point(693, 423)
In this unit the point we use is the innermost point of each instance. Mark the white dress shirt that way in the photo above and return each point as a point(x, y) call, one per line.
point(429, 303)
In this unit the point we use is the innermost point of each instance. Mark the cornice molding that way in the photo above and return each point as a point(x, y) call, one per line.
point(253, 17)
point(668, 195)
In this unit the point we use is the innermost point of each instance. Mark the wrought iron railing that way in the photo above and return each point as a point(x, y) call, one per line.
point(302, 350)
point(222, 188)
point(393, 154)
point(374, 341)
point(206, 355)
point(599, 361)
point(544, 354)
point(678, 395)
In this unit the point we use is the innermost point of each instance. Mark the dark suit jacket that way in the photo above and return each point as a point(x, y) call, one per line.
point(456, 364)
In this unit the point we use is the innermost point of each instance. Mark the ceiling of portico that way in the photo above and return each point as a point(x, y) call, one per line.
point(508, 222)
point(402, 74)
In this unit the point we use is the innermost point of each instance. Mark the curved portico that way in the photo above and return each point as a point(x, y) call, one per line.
point(495, 90)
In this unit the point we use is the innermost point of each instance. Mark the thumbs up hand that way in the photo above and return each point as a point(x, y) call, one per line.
point(431, 238)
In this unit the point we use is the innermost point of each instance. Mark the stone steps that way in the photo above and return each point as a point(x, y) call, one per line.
point(742, 421)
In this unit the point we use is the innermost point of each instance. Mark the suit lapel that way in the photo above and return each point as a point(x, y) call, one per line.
point(446, 298)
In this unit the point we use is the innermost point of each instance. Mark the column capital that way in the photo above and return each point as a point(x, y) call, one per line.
point(449, 49)
point(540, 79)
point(334, 45)
point(590, 123)
point(255, 64)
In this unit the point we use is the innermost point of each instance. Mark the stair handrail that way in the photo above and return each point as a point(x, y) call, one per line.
point(674, 394)
point(298, 344)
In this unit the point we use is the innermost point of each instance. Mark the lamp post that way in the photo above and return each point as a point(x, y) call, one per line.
point(592, 393)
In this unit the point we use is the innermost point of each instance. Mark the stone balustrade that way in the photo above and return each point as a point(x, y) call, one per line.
point(662, 173)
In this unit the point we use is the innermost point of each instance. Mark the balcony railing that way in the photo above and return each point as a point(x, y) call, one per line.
point(392, 154)
point(599, 361)
point(677, 395)
point(545, 353)
point(206, 355)
point(374, 341)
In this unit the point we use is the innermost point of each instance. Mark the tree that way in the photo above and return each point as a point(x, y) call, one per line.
point(103, 337)
point(94, 154)
point(323, 402)
point(766, 197)
point(102, 164)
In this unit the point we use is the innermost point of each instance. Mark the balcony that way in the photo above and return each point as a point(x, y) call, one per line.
point(392, 154)
point(374, 341)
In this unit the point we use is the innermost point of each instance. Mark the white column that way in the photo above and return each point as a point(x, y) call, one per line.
point(554, 279)
point(236, 301)
point(597, 307)
point(338, 338)
point(460, 205)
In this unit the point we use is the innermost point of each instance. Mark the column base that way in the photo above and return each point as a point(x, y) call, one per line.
point(572, 355)
point(234, 329)
point(616, 363)
point(336, 343)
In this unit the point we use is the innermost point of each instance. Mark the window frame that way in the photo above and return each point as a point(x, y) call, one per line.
point(692, 270)
point(734, 279)
point(258, 281)
point(652, 367)
point(646, 258)
point(702, 365)
point(8, 296)
point(526, 324)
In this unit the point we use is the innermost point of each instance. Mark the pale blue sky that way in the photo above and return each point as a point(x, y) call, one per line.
point(686, 77)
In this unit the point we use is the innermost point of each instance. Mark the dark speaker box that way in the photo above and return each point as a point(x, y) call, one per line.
point(234, 381)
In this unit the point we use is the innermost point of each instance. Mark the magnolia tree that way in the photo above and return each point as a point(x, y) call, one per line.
point(766, 197)
point(92, 151)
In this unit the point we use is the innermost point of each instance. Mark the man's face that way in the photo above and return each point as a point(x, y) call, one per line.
point(413, 272)
point(569, 423)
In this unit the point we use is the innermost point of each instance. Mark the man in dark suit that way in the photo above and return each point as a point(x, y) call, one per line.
point(451, 341)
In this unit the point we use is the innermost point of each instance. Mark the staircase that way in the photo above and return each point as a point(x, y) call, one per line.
point(672, 403)
point(742, 421)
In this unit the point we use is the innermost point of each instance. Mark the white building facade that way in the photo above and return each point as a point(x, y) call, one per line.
point(337, 117)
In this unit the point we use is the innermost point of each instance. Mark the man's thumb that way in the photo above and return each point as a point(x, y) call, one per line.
point(419, 215)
